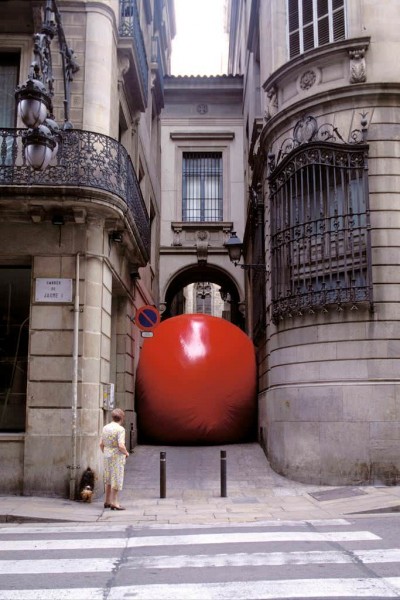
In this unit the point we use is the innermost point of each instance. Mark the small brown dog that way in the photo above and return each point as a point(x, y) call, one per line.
point(86, 485)
point(87, 494)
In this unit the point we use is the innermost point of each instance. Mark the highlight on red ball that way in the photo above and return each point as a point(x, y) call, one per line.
point(196, 383)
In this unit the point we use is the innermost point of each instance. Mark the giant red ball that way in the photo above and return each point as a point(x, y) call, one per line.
point(196, 383)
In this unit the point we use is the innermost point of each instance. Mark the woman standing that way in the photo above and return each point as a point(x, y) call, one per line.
point(112, 445)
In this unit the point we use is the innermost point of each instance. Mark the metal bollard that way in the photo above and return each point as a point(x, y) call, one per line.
point(131, 439)
point(163, 474)
point(223, 474)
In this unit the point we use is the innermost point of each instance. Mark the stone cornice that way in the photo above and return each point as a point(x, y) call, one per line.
point(314, 55)
point(202, 135)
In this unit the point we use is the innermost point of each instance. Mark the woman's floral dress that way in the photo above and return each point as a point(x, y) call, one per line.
point(114, 461)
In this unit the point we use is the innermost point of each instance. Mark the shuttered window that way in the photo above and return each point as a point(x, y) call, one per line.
point(314, 23)
point(202, 186)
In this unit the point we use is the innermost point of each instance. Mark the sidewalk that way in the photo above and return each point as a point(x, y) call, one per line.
point(255, 493)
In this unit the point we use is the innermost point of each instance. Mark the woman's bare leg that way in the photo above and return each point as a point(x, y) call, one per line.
point(107, 499)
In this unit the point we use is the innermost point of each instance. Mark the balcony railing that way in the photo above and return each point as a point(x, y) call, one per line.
point(85, 160)
point(129, 27)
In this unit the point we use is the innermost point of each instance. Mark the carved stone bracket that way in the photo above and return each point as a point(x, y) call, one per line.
point(177, 236)
point(358, 67)
point(123, 66)
point(202, 238)
point(271, 104)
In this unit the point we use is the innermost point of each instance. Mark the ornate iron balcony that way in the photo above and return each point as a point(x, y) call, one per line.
point(129, 27)
point(84, 159)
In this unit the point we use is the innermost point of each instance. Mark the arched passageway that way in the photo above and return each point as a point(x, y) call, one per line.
point(205, 389)
point(176, 300)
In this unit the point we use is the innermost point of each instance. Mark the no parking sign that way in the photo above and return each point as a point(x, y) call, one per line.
point(147, 317)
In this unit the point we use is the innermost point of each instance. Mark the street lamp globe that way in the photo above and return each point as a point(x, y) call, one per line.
point(39, 145)
point(34, 102)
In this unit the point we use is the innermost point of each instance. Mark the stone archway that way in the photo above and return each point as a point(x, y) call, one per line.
point(202, 273)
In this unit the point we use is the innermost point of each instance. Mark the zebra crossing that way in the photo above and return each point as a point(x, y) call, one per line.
point(310, 559)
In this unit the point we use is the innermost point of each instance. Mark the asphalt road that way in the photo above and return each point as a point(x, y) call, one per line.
point(352, 558)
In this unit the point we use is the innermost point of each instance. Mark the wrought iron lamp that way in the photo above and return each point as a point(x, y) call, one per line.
point(234, 245)
point(34, 97)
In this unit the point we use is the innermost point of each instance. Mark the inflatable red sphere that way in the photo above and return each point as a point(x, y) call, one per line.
point(196, 383)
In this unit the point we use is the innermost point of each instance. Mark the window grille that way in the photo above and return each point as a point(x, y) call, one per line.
point(204, 298)
point(320, 248)
point(202, 186)
point(313, 23)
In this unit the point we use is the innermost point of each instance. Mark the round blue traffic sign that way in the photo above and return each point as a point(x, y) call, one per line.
point(147, 317)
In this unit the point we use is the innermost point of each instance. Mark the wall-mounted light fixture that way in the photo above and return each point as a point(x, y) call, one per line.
point(34, 97)
point(234, 247)
point(225, 295)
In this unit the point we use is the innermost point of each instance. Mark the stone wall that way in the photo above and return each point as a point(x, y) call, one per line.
point(329, 402)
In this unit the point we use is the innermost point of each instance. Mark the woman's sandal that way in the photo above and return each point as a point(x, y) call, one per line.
point(107, 505)
point(117, 507)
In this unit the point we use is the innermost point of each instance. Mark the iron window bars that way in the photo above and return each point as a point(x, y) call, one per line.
point(320, 238)
point(202, 186)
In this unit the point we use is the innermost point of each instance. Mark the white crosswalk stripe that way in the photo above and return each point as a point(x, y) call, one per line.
point(126, 563)
point(184, 540)
point(244, 590)
point(255, 559)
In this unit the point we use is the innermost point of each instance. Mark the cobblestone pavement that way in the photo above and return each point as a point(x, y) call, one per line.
point(255, 493)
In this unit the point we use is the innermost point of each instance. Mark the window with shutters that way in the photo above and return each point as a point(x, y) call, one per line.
point(202, 198)
point(313, 23)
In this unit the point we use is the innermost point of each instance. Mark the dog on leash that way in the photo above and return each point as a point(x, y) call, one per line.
point(86, 486)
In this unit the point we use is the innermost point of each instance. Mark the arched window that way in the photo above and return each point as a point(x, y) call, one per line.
point(320, 247)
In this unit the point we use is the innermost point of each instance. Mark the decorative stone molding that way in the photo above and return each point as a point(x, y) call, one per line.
point(202, 109)
point(202, 245)
point(177, 236)
point(200, 236)
point(308, 79)
point(123, 66)
point(292, 78)
point(179, 136)
point(358, 67)
point(271, 102)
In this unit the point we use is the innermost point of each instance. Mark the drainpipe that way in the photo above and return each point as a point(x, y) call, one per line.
point(74, 466)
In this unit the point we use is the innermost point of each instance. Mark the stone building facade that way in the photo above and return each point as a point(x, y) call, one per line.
point(79, 240)
point(202, 191)
point(321, 114)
